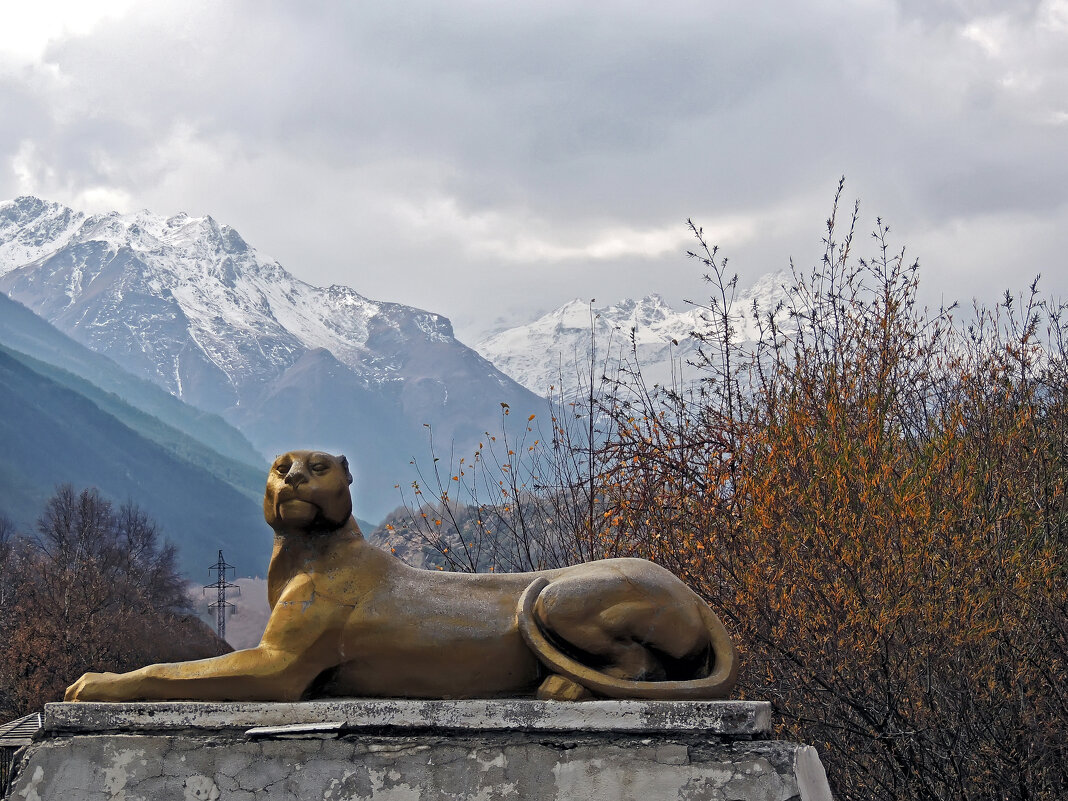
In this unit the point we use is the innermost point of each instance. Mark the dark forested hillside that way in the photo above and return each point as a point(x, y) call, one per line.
point(53, 435)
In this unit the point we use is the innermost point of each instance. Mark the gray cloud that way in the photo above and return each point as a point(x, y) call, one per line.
point(484, 159)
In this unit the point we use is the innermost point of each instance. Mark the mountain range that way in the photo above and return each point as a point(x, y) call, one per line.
point(554, 351)
point(187, 304)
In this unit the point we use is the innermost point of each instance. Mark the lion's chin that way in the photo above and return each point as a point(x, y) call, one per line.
point(299, 515)
point(296, 512)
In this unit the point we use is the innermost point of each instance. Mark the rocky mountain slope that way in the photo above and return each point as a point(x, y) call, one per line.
point(555, 350)
point(188, 304)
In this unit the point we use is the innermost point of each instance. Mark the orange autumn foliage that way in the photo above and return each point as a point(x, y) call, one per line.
point(873, 496)
point(881, 513)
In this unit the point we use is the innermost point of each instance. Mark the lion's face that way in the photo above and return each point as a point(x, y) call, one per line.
point(308, 491)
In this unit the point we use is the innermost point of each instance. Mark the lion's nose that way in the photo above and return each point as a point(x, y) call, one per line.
point(296, 475)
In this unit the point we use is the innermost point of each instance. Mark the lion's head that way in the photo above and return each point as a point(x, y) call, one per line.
point(308, 491)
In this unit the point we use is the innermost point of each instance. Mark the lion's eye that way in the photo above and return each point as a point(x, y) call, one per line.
point(320, 467)
point(282, 469)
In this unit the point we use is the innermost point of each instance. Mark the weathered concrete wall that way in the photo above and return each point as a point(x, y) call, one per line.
point(394, 750)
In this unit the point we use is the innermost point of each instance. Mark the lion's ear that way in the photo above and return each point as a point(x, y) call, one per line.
point(345, 465)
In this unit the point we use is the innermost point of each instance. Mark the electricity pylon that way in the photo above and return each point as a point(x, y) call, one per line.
point(220, 605)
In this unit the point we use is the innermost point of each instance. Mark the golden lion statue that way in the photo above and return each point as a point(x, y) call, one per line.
point(348, 619)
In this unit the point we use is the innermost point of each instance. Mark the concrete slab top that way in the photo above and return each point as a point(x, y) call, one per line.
point(716, 718)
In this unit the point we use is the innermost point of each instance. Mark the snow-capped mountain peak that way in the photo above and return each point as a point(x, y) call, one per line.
point(30, 227)
point(231, 301)
point(555, 349)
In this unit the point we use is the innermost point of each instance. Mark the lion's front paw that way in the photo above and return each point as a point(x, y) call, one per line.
point(93, 687)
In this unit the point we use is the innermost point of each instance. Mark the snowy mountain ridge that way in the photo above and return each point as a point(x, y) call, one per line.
point(234, 300)
point(554, 350)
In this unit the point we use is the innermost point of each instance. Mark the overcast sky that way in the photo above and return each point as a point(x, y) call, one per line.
point(491, 160)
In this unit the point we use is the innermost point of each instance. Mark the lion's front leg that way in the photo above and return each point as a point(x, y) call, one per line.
point(256, 674)
point(301, 641)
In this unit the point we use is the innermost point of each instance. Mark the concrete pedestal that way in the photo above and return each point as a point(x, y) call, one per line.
point(394, 749)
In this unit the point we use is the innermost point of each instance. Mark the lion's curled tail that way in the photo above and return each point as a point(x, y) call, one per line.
point(717, 684)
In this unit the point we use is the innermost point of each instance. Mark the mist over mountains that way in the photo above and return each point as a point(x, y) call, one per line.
point(187, 304)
